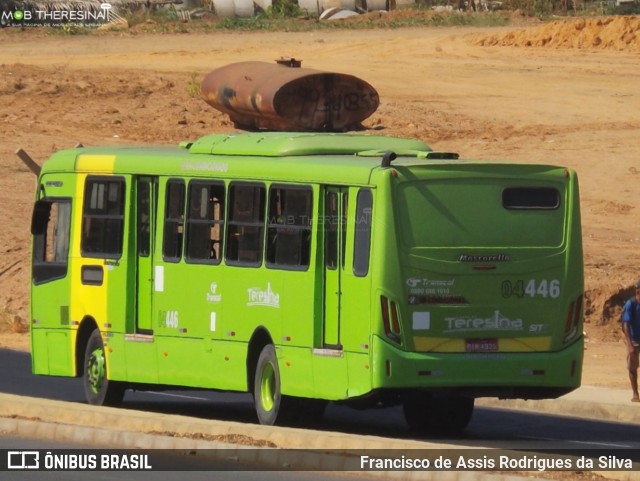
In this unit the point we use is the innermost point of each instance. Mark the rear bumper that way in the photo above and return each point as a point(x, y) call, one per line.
point(539, 375)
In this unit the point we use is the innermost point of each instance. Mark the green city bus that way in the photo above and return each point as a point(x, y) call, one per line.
point(306, 268)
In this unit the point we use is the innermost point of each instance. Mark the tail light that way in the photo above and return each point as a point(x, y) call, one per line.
point(569, 321)
point(573, 317)
point(578, 312)
point(390, 319)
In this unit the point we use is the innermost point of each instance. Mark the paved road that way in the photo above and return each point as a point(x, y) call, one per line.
point(496, 428)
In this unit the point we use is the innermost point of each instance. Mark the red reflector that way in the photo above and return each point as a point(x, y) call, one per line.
point(567, 325)
point(538, 372)
point(578, 312)
point(384, 305)
point(424, 373)
point(388, 367)
point(573, 368)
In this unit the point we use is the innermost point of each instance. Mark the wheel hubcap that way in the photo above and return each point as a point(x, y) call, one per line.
point(95, 370)
point(267, 387)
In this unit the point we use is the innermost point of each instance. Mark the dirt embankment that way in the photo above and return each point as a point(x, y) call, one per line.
point(612, 33)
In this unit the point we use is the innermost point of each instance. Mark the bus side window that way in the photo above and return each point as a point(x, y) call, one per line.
point(50, 227)
point(173, 221)
point(103, 218)
point(289, 227)
point(245, 226)
point(205, 222)
point(335, 224)
point(362, 236)
point(143, 212)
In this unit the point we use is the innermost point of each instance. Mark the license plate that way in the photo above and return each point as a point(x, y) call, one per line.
point(481, 345)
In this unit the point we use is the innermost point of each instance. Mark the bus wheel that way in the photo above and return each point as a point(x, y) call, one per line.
point(446, 416)
point(266, 387)
point(97, 388)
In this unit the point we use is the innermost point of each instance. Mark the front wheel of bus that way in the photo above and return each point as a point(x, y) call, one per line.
point(266, 387)
point(97, 387)
point(442, 416)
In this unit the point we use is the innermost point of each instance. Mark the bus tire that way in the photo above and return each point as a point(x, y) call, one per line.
point(98, 389)
point(266, 387)
point(440, 416)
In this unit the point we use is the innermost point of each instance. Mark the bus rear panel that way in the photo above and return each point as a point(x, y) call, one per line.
point(481, 280)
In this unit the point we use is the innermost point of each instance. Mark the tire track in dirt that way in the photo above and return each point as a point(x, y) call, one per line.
point(3, 271)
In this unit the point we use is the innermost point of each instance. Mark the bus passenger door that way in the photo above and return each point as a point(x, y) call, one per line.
point(335, 208)
point(145, 227)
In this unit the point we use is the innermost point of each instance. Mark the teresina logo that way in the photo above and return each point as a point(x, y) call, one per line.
point(497, 322)
point(263, 297)
point(484, 258)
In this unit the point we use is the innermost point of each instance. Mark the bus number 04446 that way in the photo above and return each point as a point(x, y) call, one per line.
point(531, 288)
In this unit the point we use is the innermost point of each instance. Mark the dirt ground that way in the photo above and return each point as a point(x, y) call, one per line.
point(495, 93)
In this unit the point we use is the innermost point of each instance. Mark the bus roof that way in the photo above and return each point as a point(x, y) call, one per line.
point(280, 144)
point(276, 156)
point(304, 157)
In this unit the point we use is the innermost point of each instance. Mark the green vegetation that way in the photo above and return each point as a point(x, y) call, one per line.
point(625, 9)
point(277, 20)
point(287, 16)
point(152, 16)
point(193, 86)
point(69, 29)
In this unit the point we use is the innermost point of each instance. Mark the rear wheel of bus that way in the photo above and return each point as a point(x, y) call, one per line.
point(97, 387)
point(274, 408)
point(448, 415)
point(266, 387)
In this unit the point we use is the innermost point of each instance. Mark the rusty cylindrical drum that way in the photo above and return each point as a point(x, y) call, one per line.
point(260, 95)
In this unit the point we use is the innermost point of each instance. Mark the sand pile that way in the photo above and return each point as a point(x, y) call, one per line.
point(613, 33)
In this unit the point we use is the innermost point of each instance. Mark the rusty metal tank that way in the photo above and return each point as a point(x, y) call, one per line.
point(284, 96)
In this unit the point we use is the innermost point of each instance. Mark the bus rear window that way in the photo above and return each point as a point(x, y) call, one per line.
point(530, 198)
point(471, 212)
